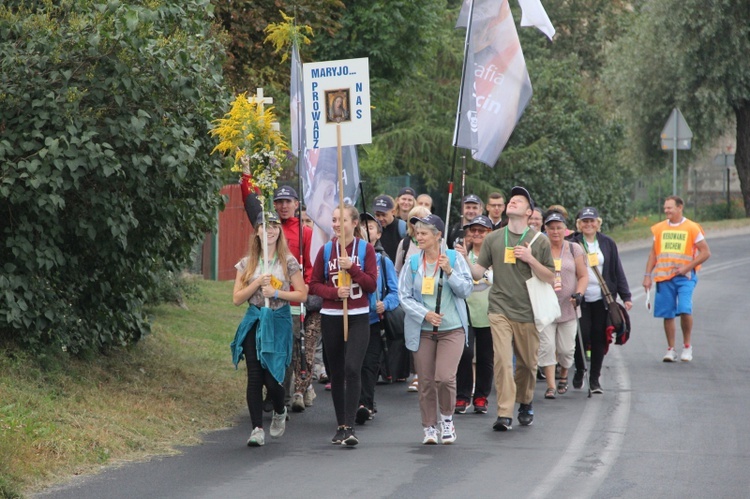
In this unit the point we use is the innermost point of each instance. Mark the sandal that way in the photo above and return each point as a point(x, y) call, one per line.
point(550, 393)
point(562, 386)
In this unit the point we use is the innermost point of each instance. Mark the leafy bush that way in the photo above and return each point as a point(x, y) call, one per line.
point(106, 178)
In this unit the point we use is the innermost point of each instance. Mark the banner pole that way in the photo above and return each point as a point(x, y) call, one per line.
point(342, 243)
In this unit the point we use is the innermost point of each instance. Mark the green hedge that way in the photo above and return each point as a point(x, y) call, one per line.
point(106, 178)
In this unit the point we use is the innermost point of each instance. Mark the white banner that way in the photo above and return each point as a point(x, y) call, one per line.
point(337, 93)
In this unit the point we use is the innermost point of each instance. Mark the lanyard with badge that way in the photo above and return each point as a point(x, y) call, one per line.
point(346, 278)
point(593, 257)
point(510, 257)
point(428, 282)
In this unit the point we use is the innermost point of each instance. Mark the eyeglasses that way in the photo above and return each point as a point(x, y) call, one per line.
point(478, 230)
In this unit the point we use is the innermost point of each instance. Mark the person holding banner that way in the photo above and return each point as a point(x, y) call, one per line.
point(432, 288)
point(258, 280)
point(345, 279)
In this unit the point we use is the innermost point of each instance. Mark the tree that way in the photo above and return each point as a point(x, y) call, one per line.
point(687, 54)
point(106, 177)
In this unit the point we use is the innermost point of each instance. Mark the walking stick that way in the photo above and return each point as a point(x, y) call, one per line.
point(342, 251)
point(579, 339)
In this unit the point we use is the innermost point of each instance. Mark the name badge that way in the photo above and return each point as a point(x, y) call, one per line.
point(593, 259)
point(345, 279)
point(428, 286)
point(510, 257)
point(276, 283)
point(558, 264)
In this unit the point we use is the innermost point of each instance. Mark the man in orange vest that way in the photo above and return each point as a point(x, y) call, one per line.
point(679, 249)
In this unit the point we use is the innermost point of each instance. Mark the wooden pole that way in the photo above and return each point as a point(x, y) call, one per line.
point(342, 244)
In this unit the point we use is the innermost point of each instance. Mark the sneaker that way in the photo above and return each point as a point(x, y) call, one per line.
point(309, 396)
point(449, 432)
point(322, 377)
point(257, 437)
point(670, 356)
point(298, 403)
point(480, 405)
point(339, 436)
point(430, 436)
point(578, 378)
point(413, 386)
point(595, 386)
point(502, 424)
point(525, 414)
point(328, 386)
point(363, 414)
point(349, 437)
point(687, 354)
point(278, 424)
point(461, 406)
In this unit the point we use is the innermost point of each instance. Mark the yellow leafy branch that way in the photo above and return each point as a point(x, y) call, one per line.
point(285, 34)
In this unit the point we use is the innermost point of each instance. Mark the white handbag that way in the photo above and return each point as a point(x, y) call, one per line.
point(543, 299)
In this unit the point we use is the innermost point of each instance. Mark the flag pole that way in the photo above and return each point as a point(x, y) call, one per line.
point(455, 154)
point(342, 243)
point(300, 159)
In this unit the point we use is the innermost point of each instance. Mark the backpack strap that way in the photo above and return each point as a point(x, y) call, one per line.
point(326, 257)
point(405, 248)
point(401, 228)
point(415, 260)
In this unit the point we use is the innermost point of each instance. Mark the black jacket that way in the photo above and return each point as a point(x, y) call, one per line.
point(613, 274)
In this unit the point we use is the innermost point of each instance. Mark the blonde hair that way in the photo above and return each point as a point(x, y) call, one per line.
point(598, 224)
point(256, 252)
point(417, 211)
point(560, 208)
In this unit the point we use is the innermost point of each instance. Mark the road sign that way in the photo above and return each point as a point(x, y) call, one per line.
point(678, 130)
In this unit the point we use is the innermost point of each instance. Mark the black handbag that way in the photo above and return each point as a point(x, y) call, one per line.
point(617, 315)
point(393, 320)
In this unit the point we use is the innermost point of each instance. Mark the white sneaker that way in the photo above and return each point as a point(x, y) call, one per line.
point(298, 403)
point(670, 356)
point(257, 437)
point(449, 432)
point(430, 436)
point(278, 424)
point(309, 396)
point(687, 354)
point(414, 385)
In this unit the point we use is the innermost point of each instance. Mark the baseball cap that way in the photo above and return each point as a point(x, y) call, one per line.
point(472, 198)
point(521, 191)
point(367, 216)
point(482, 220)
point(554, 217)
point(588, 212)
point(271, 217)
point(383, 204)
point(285, 192)
point(430, 219)
point(407, 190)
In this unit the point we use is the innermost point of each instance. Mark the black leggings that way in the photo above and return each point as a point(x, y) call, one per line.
point(345, 362)
point(593, 325)
point(465, 379)
point(256, 378)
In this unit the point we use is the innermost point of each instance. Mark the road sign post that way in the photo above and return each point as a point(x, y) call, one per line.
point(676, 135)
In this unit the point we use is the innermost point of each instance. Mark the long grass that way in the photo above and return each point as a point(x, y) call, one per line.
point(68, 416)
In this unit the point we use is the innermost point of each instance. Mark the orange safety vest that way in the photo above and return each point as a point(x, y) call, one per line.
point(674, 245)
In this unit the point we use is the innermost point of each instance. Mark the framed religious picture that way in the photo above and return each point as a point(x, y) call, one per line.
point(337, 105)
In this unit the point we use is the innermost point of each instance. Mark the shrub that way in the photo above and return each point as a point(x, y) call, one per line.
point(106, 178)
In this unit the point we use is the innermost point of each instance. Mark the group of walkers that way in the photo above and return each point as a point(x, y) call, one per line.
point(456, 310)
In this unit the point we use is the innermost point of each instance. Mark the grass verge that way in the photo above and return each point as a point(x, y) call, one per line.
point(639, 227)
point(69, 416)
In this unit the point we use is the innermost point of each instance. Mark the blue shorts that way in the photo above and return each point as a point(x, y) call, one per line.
point(675, 296)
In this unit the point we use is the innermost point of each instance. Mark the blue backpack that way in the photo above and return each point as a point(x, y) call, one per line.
point(361, 250)
point(415, 260)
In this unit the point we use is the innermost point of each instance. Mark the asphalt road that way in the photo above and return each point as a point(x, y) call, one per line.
point(659, 429)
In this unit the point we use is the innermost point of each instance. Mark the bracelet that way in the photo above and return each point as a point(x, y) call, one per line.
point(276, 294)
point(647, 275)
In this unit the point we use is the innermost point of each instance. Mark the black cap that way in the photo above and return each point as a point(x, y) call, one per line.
point(367, 216)
point(430, 219)
point(472, 198)
point(271, 217)
point(285, 192)
point(482, 220)
point(407, 190)
point(588, 212)
point(383, 204)
point(521, 191)
point(554, 217)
